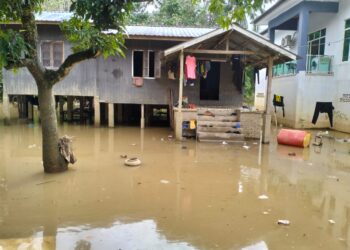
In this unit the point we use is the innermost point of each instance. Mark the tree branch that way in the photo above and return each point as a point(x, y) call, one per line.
point(54, 76)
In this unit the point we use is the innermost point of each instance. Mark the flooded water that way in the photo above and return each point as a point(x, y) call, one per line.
point(184, 196)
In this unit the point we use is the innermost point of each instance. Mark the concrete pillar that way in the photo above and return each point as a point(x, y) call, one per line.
point(142, 123)
point(81, 108)
point(111, 115)
point(266, 128)
point(178, 125)
point(97, 115)
point(302, 39)
point(60, 108)
point(30, 111)
point(70, 100)
point(6, 108)
point(36, 114)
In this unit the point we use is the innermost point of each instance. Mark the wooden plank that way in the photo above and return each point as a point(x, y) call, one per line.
point(217, 124)
point(220, 52)
point(218, 112)
point(218, 129)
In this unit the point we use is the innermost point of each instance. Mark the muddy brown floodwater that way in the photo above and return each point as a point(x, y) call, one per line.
point(201, 196)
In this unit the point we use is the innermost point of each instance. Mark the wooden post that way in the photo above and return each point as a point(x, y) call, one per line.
point(6, 108)
point(70, 100)
point(97, 115)
point(142, 123)
point(268, 105)
point(111, 115)
point(178, 118)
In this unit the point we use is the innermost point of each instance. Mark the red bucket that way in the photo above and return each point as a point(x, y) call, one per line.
point(297, 138)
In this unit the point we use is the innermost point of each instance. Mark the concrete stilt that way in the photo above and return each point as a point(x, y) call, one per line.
point(6, 108)
point(30, 111)
point(60, 108)
point(97, 115)
point(36, 114)
point(142, 123)
point(111, 115)
point(81, 108)
point(70, 100)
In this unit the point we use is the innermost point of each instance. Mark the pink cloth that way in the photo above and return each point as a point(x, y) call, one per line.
point(190, 67)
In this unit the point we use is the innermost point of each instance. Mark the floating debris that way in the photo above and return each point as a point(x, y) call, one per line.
point(184, 147)
point(164, 181)
point(224, 143)
point(246, 147)
point(263, 197)
point(133, 144)
point(132, 162)
point(123, 156)
point(292, 154)
point(331, 221)
point(283, 222)
point(32, 146)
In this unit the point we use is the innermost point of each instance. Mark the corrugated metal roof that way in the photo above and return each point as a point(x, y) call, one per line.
point(47, 16)
point(166, 31)
point(57, 17)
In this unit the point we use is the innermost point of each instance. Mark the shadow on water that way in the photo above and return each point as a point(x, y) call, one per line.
point(184, 196)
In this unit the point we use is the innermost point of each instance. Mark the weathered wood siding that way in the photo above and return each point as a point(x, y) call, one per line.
point(111, 79)
point(80, 82)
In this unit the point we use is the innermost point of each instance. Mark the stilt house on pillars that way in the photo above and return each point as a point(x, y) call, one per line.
point(188, 78)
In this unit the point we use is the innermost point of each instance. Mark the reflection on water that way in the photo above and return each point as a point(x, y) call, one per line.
point(202, 196)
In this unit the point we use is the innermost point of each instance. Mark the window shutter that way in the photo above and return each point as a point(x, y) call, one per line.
point(157, 65)
point(57, 54)
point(145, 63)
point(46, 54)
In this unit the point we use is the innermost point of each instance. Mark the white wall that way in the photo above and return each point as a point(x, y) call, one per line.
point(302, 91)
point(339, 85)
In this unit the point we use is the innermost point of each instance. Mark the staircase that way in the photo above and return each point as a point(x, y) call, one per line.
point(218, 124)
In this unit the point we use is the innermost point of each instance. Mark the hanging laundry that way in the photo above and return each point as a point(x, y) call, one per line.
point(190, 67)
point(207, 66)
point(256, 75)
point(278, 101)
point(323, 107)
point(238, 72)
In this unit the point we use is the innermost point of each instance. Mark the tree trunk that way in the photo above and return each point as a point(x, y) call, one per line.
point(52, 160)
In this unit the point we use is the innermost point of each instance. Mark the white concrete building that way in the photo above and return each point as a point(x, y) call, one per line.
point(319, 32)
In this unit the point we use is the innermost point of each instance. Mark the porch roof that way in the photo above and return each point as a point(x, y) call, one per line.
point(219, 43)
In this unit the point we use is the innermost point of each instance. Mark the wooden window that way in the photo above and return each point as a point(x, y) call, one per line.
point(52, 54)
point(46, 54)
point(146, 64)
point(346, 48)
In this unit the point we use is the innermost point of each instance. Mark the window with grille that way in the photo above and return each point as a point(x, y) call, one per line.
point(52, 54)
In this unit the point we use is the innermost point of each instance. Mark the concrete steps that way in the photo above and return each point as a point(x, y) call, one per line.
point(218, 124)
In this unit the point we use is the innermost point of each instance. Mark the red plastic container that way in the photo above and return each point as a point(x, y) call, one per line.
point(291, 137)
